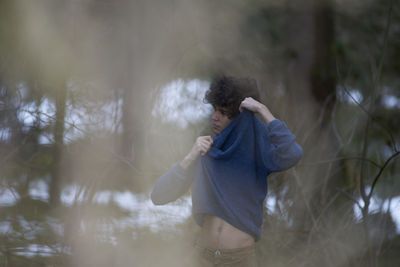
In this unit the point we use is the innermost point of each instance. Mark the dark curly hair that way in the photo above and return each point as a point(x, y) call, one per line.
point(228, 92)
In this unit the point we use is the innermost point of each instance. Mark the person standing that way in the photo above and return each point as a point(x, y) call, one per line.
point(228, 172)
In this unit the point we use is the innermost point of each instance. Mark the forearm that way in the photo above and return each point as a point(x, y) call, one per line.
point(265, 114)
point(185, 163)
point(171, 185)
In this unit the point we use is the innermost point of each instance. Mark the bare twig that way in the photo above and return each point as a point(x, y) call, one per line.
point(341, 158)
point(380, 172)
point(320, 118)
point(349, 197)
point(393, 141)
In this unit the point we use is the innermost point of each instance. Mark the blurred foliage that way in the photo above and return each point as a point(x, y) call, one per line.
point(112, 58)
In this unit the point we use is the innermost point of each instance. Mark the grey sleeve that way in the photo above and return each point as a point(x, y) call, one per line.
point(284, 152)
point(171, 185)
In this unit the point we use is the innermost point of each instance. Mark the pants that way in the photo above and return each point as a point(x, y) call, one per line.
point(238, 257)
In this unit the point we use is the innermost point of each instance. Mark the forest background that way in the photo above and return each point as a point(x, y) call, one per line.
point(100, 97)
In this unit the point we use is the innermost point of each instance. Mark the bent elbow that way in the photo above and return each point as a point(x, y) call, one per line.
point(156, 199)
point(296, 155)
point(289, 159)
point(157, 202)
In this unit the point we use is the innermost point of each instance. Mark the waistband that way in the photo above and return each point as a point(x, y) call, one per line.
point(213, 252)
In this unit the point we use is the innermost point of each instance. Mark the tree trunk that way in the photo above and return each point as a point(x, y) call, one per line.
point(56, 171)
point(311, 86)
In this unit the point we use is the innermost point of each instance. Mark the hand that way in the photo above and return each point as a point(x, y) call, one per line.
point(251, 104)
point(257, 107)
point(200, 147)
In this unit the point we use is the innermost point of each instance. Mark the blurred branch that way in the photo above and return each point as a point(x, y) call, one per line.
point(341, 158)
point(324, 108)
point(349, 196)
point(393, 156)
point(376, 77)
point(306, 203)
point(118, 157)
point(14, 151)
point(334, 128)
point(385, 41)
point(393, 141)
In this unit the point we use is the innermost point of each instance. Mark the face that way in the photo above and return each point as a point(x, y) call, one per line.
point(219, 119)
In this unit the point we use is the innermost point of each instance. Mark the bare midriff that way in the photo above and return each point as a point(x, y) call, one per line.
point(217, 233)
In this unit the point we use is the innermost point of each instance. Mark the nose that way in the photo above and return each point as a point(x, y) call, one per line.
point(215, 116)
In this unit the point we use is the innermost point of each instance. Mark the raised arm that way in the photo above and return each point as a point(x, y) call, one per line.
point(281, 151)
point(257, 107)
